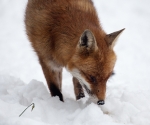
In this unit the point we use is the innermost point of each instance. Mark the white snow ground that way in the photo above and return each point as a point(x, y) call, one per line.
point(128, 92)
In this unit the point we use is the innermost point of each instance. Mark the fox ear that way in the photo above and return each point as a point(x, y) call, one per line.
point(112, 38)
point(87, 40)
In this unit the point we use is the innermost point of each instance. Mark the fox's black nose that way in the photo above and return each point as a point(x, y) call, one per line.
point(101, 102)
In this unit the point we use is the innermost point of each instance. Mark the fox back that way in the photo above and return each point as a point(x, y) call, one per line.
point(67, 33)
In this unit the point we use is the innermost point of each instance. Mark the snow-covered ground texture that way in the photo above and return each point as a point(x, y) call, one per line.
point(22, 81)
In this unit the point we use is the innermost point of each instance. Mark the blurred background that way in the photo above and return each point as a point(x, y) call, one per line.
point(18, 59)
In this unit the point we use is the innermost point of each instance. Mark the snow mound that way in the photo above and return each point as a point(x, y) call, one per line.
point(15, 96)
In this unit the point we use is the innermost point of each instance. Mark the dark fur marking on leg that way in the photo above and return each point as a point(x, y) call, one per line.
point(81, 95)
point(55, 91)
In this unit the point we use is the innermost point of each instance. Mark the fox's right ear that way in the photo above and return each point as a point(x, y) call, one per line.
point(112, 38)
point(87, 41)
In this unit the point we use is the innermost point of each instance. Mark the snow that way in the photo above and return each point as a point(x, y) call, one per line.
point(22, 81)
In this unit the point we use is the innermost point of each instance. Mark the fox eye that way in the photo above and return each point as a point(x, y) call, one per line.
point(112, 74)
point(92, 79)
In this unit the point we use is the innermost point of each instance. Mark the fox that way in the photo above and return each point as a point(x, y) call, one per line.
point(68, 34)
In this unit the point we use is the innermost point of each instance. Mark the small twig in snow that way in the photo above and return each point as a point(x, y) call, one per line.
point(27, 108)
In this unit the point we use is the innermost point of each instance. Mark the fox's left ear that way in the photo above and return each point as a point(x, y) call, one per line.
point(112, 38)
point(87, 41)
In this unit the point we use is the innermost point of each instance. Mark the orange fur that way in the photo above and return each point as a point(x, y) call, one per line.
point(55, 27)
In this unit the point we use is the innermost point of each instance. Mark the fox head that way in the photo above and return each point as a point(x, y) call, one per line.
point(93, 62)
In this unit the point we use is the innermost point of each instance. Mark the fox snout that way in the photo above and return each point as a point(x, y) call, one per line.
point(101, 94)
point(98, 92)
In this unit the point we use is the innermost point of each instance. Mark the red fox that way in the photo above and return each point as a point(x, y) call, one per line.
point(67, 33)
